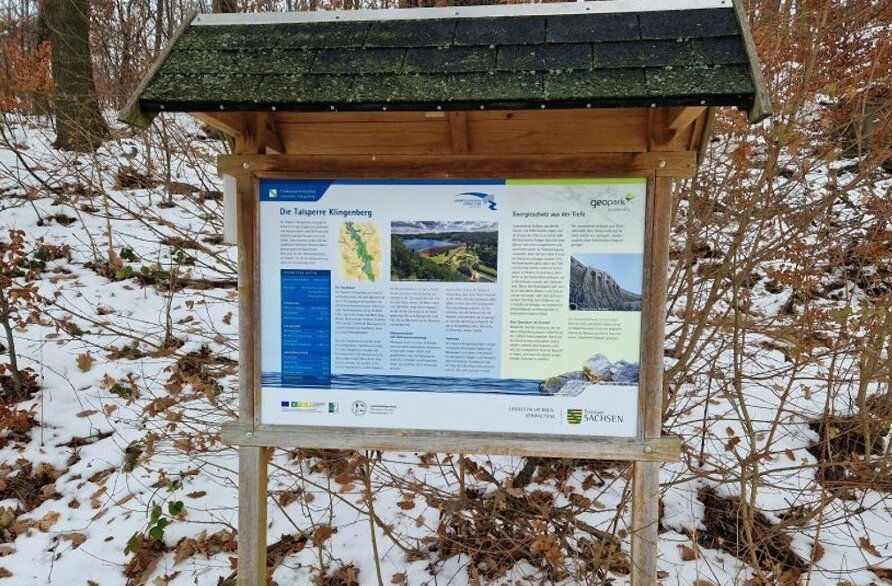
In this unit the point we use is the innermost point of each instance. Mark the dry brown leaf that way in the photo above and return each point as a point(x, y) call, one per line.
point(85, 361)
point(817, 551)
point(76, 539)
point(48, 521)
point(4, 573)
point(406, 505)
point(7, 549)
point(7, 517)
point(143, 562)
point(187, 547)
point(702, 583)
point(321, 534)
point(86, 413)
point(95, 501)
point(732, 443)
point(687, 553)
point(515, 492)
point(867, 546)
point(399, 578)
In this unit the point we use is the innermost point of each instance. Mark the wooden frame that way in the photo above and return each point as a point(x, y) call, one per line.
point(646, 451)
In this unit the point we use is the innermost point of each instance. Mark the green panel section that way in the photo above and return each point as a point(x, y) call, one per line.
point(581, 181)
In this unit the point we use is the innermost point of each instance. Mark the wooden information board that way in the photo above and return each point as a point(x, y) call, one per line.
point(283, 275)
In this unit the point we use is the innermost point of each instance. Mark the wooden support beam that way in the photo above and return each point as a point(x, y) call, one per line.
point(246, 142)
point(761, 108)
point(663, 164)
point(269, 134)
point(680, 118)
point(646, 475)
point(660, 449)
point(708, 123)
point(458, 132)
point(252, 460)
point(252, 493)
point(229, 123)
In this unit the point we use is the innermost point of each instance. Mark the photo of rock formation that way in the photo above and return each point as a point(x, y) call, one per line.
point(593, 289)
point(596, 370)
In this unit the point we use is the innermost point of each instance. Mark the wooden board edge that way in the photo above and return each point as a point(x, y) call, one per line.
point(661, 449)
point(761, 108)
point(131, 113)
point(664, 164)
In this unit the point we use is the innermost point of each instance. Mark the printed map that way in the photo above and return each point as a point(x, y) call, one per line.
point(359, 249)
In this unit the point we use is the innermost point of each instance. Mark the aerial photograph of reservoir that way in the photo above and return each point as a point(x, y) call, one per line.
point(444, 251)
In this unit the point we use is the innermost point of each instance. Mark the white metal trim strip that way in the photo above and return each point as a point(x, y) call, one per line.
point(599, 7)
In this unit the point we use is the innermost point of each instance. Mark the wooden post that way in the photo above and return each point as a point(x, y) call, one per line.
point(646, 475)
point(252, 471)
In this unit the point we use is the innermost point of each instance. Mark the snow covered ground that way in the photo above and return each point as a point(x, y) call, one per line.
point(122, 478)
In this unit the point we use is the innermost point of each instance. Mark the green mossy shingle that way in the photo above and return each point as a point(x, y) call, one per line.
point(641, 54)
point(612, 59)
point(699, 81)
point(317, 35)
point(213, 89)
point(688, 24)
point(598, 84)
point(721, 51)
point(276, 61)
point(395, 33)
point(451, 60)
point(592, 28)
point(306, 89)
point(359, 61)
point(545, 57)
point(509, 30)
point(470, 87)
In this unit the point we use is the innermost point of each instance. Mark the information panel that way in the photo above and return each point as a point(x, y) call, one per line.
point(472, 305)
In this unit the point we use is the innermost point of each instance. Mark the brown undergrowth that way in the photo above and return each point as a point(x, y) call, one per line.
point(732, 526)
point(851, 450)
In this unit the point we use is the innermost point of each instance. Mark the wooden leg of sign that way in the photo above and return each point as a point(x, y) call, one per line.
point(645, 522)
point(252, 471)
point(646, 476)
point(252, 474)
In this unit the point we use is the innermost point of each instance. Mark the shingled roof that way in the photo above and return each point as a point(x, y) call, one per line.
point(619, 53)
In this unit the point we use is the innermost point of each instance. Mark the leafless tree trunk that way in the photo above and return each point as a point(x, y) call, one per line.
point(225, 6)
point(79, 123)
